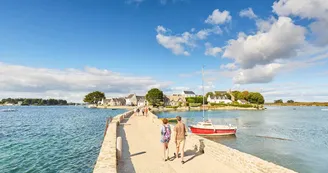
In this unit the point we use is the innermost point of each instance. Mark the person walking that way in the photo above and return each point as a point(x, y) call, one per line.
point(165, 138)
point(146, 111)
point(138, 110)
point(143, 112)
point(180, 138)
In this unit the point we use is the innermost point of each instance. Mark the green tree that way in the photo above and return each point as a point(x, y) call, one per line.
point(26, 102)
point(191, 100)
point(209, 94)
point(290, 101)
point(255, 98)
point(94, 97)
point(155, 96)
point(245, 93)
point(240, 96)
point(235, 94)
point(278, 101)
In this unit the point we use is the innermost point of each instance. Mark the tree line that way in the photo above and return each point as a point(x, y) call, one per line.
point(34, 101)
point(251, 97)
point(281, 101)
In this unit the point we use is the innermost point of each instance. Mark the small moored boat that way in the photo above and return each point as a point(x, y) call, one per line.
point(207, 128)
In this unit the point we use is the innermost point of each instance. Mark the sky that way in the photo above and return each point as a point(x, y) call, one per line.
point(65, 49)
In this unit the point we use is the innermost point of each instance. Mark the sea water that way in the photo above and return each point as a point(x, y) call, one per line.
point(294, 137)
point(51, 139)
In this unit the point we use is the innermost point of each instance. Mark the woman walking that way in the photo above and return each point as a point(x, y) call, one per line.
point(166, 136)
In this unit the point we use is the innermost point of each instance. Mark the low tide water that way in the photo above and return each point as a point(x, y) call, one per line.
point(51, 139)
point(294, 137)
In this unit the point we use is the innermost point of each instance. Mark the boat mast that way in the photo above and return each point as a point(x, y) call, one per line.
point(203, 92)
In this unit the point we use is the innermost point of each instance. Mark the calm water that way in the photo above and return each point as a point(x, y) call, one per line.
point(51, 139)
point(303, 146)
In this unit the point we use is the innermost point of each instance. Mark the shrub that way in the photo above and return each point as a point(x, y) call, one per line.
point(174, 107)
point(194, 104)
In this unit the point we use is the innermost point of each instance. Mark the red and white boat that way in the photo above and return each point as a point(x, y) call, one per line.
point(208, 129)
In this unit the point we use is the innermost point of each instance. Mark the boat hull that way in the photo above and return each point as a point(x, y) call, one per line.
point(212, 132)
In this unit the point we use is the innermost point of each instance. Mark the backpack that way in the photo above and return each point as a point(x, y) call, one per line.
point(167, 133)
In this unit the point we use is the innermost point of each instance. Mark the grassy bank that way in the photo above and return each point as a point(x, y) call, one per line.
point(299, 104)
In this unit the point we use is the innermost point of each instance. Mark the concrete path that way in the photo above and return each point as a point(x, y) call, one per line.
point(143, 152)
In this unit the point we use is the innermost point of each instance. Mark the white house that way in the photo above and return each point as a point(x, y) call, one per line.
point(141, 101)
point(242, 102)
point(188, 94)
point(218, 99)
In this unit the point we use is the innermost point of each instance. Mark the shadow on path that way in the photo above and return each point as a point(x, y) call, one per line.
point(197, 151)
point(125, 164)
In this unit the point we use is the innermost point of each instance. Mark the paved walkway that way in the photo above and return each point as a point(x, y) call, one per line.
point(143, 152)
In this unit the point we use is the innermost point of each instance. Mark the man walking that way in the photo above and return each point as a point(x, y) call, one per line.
point(180, 138)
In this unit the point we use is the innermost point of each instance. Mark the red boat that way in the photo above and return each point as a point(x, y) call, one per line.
point(208, 129)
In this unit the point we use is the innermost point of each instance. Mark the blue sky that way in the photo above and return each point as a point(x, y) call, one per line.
point(64, 49)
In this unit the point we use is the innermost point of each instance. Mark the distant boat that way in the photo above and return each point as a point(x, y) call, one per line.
point(92, 106)
point(8, 110)
point(324, 109)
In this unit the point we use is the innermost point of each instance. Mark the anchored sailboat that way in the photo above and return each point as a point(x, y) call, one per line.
point(206, 127)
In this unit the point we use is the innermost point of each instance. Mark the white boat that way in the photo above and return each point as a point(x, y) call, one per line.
point(92, 106)
point(324, 109)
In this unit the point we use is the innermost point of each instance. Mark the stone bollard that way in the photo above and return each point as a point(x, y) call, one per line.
point(119, 147)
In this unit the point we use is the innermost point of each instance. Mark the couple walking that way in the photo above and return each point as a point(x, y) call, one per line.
point(179, 138)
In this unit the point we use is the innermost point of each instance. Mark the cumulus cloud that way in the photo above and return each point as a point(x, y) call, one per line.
point(22, 81)
point(204, 33)
point(176, 43)
point(279, 42)
point(229, 66)
point(212, 51)
point(319, 29)
point(248, 13)
point(218, 17)
point(258, 74)
point(307, 9)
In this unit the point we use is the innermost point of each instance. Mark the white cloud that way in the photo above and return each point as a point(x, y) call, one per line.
point(229, 66)
point(218, 17)
point(265, 25)
point(320, 30)
point(281, 41)
point(247, 13)
point(72, 84)
point(307, 9)
point(258, 74)
point(212, 51)
point(303, 8)
point(204, 33)
point(176, 43)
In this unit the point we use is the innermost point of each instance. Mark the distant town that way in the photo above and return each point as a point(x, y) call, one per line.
point(184, 99)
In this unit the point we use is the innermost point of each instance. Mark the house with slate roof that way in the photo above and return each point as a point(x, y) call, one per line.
point(188, 94)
